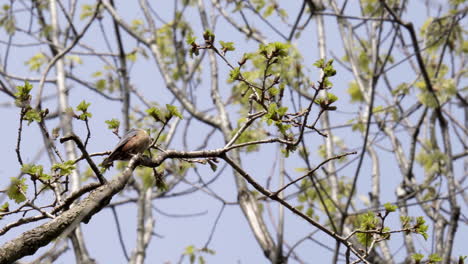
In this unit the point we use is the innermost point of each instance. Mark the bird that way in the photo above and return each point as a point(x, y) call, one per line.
point(135, 141)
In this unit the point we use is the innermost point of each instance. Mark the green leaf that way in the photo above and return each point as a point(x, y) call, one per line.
point(227, 46)
point(87, 11)
point(32, 115)
point(4, 208)
point(299, 207)
point(101, 84)
point(319, 63)
point(35, 62)
point(269, 10)
point(405, 221)
point(208, 36)
point(190, 250)
point(156, 113)
point(132, 56)
point(113, 123)
point(420, 227)
point(355, 92)
point(331, 98)
point(378, 109)
point(234, 74)
point(191, 39)
point(328, 70)
point(417, 257)
point(74, 58)
point(83, 106)
point(390, 207)
point(17, 189)
point(137, 25)
point(96, 74)
point(434, 258)
point(36, 171)
point(23, 97)
point(147, 177)
point(65, 168)
point(368, 221)
point(173, 111)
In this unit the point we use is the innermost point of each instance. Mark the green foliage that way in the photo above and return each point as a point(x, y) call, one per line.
point(432, 159)
point(368, 222)
point(173, 111)
point(373, 7)
point(355, 93)
point(164, 115)
point(101, 84)
point(390, 207)
point(327, 101)
point(328, 71)
point(176, 59)
point(234, 74)
point(431, 259)
point(275, 115)
point(275, 49)
point(146, 176)
point(36, 171)
point(88, 11)
point(156, 113)
point(209, 37)
point(4, 208)
point(181, 168)
point(359, 126)
point(113, 124)
point(132, 56)
point(137, 25)
point(32, 115)
point(191, 39)
point(227, 46)
point(269, 10)
point(83, 108)
point(461, 259)
point(16, 191)
point(264, 69)
point(7, 20)
point(258, 4)
point(444, 90)
point(73, 59)
point(417, 225)
point(255, 132)
point(192, 252)
point(401, 89)
point(22, 96)
point(434, 32)
point(420, 227)
point(65, 168)
point(309, 198)
point(417, 257)
point(35, 62)
point(326, 67)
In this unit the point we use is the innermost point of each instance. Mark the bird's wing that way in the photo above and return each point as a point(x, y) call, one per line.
point(131, 133)
point(116, 152)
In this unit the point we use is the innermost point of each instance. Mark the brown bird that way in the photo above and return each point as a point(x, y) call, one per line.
point(135, 141)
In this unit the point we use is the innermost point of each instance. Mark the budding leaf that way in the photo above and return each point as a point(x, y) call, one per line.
point(17, 189)
point(173, 111)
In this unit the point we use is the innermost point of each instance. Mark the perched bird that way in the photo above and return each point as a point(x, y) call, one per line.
point(133, 142)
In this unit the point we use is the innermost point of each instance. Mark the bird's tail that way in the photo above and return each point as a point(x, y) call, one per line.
point(108, 162)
